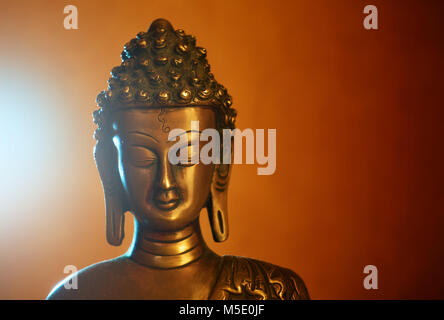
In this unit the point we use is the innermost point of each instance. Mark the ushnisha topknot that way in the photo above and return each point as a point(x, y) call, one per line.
point(160, 68)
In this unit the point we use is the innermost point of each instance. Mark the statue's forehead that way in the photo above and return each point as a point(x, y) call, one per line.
point(162, 120)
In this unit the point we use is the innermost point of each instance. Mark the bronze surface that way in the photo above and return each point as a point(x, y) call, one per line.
point(169, 258)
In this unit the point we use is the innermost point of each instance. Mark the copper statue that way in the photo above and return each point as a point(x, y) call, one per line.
point(164, 82)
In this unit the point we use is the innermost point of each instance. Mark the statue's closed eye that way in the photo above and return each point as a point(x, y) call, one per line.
point(141, 156)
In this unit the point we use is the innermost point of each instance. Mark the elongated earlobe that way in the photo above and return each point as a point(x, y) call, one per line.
point(115, 220)
point(106, 160)
point(217, 205)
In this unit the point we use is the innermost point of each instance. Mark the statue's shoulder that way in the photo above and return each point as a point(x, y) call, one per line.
point(246, 278)
point(93, 282)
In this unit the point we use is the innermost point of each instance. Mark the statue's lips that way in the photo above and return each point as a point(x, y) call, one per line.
point(168, 205)
point(167, 199)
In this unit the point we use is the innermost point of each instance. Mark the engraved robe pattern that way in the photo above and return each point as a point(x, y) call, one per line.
point(248, 279)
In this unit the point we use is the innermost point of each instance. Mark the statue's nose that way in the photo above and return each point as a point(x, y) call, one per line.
point(167, 195)
point(166, 179)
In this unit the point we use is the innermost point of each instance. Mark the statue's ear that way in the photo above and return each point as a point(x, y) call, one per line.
point(106, 160)
point(217, 205)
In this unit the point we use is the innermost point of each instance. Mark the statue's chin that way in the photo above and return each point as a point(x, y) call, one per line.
point(167, 221)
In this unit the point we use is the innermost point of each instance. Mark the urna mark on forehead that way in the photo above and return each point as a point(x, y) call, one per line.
point(160, 121)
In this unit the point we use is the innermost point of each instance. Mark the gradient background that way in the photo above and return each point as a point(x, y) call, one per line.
point(358, 114)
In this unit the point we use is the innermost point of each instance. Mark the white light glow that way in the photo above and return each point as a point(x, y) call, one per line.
point(26, 139)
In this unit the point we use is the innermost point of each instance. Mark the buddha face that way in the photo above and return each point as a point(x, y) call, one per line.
point(162, 196)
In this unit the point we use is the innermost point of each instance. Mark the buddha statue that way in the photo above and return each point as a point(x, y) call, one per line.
point(164, 82)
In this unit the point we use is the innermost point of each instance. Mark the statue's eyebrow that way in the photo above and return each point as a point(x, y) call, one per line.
point(143, 133)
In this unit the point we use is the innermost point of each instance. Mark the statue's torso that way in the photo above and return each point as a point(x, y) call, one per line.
point(211, 277)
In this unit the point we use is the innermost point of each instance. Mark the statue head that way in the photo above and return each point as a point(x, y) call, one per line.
point(164, 82)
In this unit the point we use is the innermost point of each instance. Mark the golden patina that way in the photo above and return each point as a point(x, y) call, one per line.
point(164, 82)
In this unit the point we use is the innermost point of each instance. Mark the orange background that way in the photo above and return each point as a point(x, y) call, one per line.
point(358, 114)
